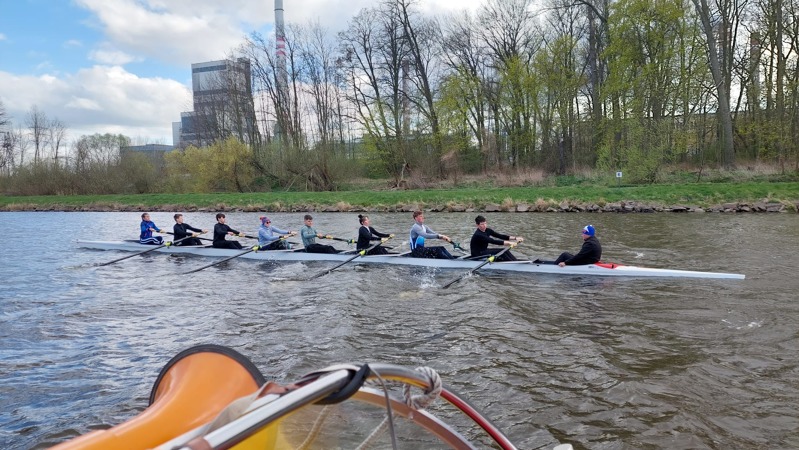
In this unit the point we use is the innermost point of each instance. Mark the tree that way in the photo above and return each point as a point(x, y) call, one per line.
point(5, 120)
point(464, 88)
point(375, 53)
point(421, 38)
point(722, 87)
point(39, 131)
point(57, 135)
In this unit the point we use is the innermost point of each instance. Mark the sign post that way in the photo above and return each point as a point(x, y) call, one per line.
point(618, 178)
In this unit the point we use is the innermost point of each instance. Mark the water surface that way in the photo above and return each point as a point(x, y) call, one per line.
point(599, 363)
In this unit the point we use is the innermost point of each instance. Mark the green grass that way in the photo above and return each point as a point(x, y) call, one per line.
point(699, 194)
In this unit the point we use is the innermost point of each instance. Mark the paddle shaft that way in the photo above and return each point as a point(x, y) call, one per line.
point(146, 251)
point(360, 253)
point(488, 260)
point(349, 241)
point(226, 259)
point(202, 239)
point(254, 248)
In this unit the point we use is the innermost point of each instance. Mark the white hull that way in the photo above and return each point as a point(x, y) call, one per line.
point(516, 266)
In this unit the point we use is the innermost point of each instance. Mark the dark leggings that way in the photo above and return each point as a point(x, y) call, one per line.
point(563, 257)
point(379, 250)
point(507, 256)
point(189, 241)
point(235, 245)
point(437, 252)
point(320, 248)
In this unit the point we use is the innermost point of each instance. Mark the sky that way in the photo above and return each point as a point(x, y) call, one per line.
point(124, 66)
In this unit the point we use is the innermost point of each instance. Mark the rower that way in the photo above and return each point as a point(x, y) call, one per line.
point(267, 238)
point(309, 234)
point(147, 228)
point(590, 252)
point(221, 230)
point(419, 229)
point(181, 232)
point(367, 234)
point(483, 236)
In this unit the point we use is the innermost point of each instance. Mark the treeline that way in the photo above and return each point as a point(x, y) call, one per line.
point(627, 85)
point(631, 85)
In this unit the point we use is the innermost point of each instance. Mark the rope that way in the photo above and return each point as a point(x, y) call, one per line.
point(416, 402)
point(387, 421)
point(429, 396)
point(317, 427)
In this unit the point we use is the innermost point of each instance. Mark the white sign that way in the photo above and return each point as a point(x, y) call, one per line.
point(618, 174)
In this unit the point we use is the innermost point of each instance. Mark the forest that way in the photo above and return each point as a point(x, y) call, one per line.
point(556, 88)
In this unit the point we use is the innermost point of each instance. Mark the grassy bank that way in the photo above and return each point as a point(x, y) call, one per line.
point(696, 194)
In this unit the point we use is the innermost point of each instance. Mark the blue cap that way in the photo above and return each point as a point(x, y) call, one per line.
point(420, 241)
point(588, 230)
point(264, 220)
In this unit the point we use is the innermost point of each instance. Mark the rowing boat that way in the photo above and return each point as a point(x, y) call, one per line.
point(599, 269)
point(212, 397)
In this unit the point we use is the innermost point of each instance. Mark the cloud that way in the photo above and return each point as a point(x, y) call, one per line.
point(111, 57)
point(183, 32)
point(179, 32)
point(2, 37)
point(100, 99)
point(72, 43)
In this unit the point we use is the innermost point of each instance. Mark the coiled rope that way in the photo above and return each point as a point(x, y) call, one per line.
point(416, 402)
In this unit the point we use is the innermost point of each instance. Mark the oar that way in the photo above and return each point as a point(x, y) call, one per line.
point(166, 244)
point(488, 260)
point(349, 241)
point(359, 254)
point(254, 248)
point(200, 238)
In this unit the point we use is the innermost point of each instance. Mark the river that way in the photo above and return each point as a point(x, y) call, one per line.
point(598, 363)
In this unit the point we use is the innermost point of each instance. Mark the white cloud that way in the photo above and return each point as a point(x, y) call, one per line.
point(100, 99)
point(182, 32)
point(179, 32)
point(73, 43)
point(2, 37)
point(111, 57)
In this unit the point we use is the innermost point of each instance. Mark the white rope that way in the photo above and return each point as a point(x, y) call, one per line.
point(429, 396)
point(388, 421)
point(416, 402)
point(317, 427)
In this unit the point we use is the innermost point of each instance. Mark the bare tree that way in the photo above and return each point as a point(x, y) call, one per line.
point(422, 37)
point(5, 120)
point(38, 129)
point(375, 52)
point(57, 135)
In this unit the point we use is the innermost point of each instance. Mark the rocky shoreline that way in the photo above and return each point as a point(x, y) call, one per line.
point(539, 206)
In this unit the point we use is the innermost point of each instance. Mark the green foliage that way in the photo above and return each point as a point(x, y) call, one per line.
point(224, 166)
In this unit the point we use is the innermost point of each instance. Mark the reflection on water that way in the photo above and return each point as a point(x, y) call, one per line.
point(609, 363)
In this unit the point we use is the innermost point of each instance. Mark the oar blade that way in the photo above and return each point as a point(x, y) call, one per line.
point(135, 254)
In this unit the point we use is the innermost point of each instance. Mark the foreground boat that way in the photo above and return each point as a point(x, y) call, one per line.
point(600, 269)
point(212, 397)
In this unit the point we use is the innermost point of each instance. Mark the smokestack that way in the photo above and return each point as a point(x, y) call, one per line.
point(280, 47)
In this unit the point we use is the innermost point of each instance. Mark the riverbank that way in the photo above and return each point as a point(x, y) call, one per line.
point(696, 197)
